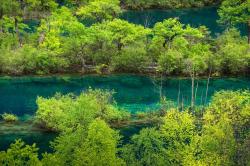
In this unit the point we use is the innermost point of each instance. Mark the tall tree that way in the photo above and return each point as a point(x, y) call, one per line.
point(20, 154)
point(125, 33)
point(147, 148)
point(233, 12)
point(178, 130)
point(99, 10)
point(99, 147)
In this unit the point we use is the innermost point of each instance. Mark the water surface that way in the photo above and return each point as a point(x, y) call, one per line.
point(132, 92)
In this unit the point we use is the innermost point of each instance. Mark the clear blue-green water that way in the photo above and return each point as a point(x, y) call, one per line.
point(132, 92)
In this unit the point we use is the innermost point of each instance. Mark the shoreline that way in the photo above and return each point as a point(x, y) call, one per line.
point(77, 74)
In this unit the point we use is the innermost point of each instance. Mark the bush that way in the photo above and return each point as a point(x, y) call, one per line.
point(28, 59)
point(233, 52)
point(68, 112)
point(130, 60)
point(7, 117)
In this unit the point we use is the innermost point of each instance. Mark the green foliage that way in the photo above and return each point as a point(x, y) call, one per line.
point(179, 49)
point(20, 154)
point(178, 130)
point(219, 137)
point(233, 52)
point(100, 10)
point(67, 113)
point(233, 12)
point(57, 29)
point(125, 33)
point(99, 147)
point(170, 61)
point(9, 7)
point(226, 127)
point(231, 105)
point(64, 44)
point(27, 59)
point(146, 148)
point(218, 143)
point(131, 59)
point(7, 117)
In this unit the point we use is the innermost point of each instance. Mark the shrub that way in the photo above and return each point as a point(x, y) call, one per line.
point(7, 117)
point(68, 112)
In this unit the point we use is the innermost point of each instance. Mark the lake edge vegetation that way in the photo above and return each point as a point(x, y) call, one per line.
point(217, 134)
point(64, 42)
point(87, 35)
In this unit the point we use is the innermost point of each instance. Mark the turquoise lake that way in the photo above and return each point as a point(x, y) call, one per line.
point(132, 92)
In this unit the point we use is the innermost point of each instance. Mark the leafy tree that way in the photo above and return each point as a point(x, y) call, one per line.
point(178, 46)
point(233, 12)
point(67, 113)
point(195, 63)
point(170, 60)
point(131, 59)
point(92, 45)
point(100, 146)
point(74, 3)
point(95, 144)
point(40, 8)
point(59, 31)
point(218, 143)
point(8, 7)
point(227, 122)
point(125, 33)
point(168, 32)
point(58, 26)
point(146, 148)
point(20, 154)
point(100, 10)
point(232, 52)
point(178, 131)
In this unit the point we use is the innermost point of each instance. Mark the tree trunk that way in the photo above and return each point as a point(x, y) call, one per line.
point(248, 31)
point(208, 80)
point(161, 88)
point(179, 92)
point(182, 104)
point(83, 65)
point(196, 89)
point(192, 92)
point(41, 37)
point(17, 32)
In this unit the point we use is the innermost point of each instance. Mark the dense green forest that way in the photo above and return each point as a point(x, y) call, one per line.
point(83, 36)
point(65, 42)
